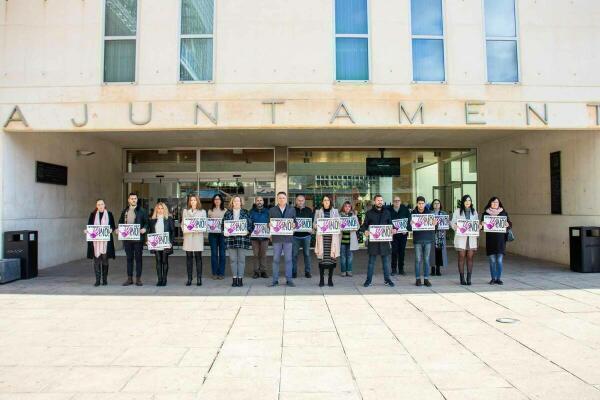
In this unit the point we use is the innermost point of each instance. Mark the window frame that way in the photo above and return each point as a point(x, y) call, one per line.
point(441, 37)
point(515, 38)
point(180, 38)
point(135, 38)
point(352, 35)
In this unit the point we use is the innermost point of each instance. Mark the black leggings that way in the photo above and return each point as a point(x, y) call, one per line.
point(468, 255)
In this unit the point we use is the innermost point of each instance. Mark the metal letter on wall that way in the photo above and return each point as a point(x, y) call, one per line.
point(133, 121)
point(469, 112)
point(347, 113)
point(597, 107)
point(214, 117)
point(529, 108)
point(16, 115)
point(85, 118)
point(419, 112)
point(273, 103)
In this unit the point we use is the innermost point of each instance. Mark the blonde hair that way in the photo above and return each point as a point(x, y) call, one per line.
point(233, 198)
point(164, 206)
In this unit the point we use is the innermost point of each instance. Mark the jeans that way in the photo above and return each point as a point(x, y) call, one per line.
point(398, 251)
point(346, 256)
point(237, 259)
point(305, 243)
point(286, 249)
point(422, 255)
point(133, 250)
point(259, 249)
point(496, 265)
point(217, 253)
point(385, 260)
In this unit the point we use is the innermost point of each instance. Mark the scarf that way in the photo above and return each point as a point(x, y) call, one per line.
point(100, 247)
point(494, 211)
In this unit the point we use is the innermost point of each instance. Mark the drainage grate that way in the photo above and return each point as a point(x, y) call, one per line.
point(507, 320)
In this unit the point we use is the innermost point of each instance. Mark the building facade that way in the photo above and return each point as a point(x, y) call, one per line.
point(347, 97)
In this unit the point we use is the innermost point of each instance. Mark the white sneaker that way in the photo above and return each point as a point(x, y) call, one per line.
point(348, 273)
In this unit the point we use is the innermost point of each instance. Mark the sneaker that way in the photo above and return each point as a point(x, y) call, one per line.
point(343, 273)
point(128, 282)
point(493, 282)
point(427, 283)
point(367, 284)
point(348, 273)
point(418, 283)
point(389, 283)
point(499, 282)
point(273, 284)
point(307, 275)
point(291, 284)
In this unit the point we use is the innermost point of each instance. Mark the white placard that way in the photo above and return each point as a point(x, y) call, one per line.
point(467, 227)
point(328, 226)
point(213, 225)
point(349, 223)
point(261, 230)
point(97, 233)
point(495, 224)
point(304, 225)
point(400, 225)
point(380, 233)
point(195, 224)
point(158, 241)
point(443, 222)
point(235, 227)
point(282, 226)
point(422, 222)
point(129, 232)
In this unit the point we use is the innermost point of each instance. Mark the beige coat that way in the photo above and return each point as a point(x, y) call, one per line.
point(193, 241)
point(335, 239)
point(463, 242)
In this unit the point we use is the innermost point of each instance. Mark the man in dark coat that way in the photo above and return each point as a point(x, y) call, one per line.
point(134, 214)
point(378, 215)
point(399, 211)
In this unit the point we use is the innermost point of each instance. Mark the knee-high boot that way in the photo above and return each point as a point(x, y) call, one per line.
point(158, 272)
point(104, 275)
point(199, 268)
point(165, 271)
point(189, 263)
point(322, 275)
point(97, 273)
point(330, 278)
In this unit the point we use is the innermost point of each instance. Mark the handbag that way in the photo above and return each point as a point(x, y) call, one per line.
point(510, 236)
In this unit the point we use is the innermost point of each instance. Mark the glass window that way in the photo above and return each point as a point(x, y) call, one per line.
point(427, 29)
point(196, 47)
point(351, 40)
point(120, 30)
point(161, 161)
point(501, 41)
point(237, 160)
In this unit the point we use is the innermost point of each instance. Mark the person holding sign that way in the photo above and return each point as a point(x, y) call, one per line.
point(349, 240)
point(259, 215)
point(399, 211)
point(98, 251)
point(495, 239)
point(217, 240)
point(464, 244)
point(301, 238)
point(282, 243)
point(380, 216)
point(423, 238)
point(193, 240)
point(238, 242)
point(439, 257)
point(134, 214)
point(162, 222)
point(327, 245)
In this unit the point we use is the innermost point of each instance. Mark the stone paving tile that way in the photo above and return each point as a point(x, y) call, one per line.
point(64, 339)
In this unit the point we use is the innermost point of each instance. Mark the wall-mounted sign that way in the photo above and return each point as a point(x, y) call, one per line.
point(50, 173)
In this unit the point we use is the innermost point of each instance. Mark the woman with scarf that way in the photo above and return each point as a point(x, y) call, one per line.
point(100, 252)
point(327, 247)
point(162, 222)
point(495, 242)
point(349, 241)
point(439, 257)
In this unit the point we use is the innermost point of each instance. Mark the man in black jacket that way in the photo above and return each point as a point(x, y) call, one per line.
point(399, 211)
point(134, 214)
point(378, 215)
point(302, 239)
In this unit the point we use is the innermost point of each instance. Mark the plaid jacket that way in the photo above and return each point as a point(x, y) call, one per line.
point(239, 242)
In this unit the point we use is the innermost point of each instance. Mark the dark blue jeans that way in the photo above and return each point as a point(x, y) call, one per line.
point(496, 265)
point(385, 260)
point(303, 242)
point(422, 251)
point(346, 258)
point(217, 253)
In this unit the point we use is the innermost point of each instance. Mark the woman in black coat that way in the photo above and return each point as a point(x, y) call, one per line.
point(162, 222)
point(100, 252)
point(495, 242)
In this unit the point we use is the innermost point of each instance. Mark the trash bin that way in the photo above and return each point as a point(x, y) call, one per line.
point(24, 246)
point(584, 244)
point(10, 270)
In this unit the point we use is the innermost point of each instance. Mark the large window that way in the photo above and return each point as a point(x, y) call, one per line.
point(351, 40)
point(427, 28)
point(196, 46)
point(501, 41)
point(120, 37)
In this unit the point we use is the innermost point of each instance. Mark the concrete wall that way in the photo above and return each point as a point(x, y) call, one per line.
point(59, 213)
point(523, 184)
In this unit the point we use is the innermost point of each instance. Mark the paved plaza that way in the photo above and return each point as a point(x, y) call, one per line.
point(61, 338)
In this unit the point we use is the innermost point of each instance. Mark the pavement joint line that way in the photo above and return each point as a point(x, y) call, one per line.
point(130, 378)
point(282, 337)
point(559, 293)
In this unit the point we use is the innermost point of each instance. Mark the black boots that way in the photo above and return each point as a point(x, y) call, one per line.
point(97, 272)
point(468, 278)
point(432, 271)
point(438, 271)
point(330, 278)
point(237, 282)
point(162, 269)
point(104, 275)
point(234, 282)
point(158, 273)
point(462, 278)
point(321, 276)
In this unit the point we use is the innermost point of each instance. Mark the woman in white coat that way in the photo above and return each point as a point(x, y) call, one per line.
point(193, 242)
point(349, 241)
point(465, 245)
point(327, 247)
